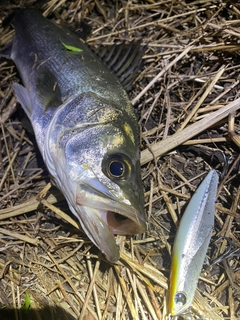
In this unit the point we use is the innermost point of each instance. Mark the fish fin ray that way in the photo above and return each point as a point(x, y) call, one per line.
point(124, 60)
point(48, 90)
point(6, 51)
point(24, 97)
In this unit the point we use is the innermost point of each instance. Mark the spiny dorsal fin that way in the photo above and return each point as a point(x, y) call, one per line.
point(124, 60)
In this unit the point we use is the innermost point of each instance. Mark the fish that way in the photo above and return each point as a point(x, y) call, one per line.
point(191, 244)
point(85, 128)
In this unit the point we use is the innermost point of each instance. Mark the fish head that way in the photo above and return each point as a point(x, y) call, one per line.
point(95, 163)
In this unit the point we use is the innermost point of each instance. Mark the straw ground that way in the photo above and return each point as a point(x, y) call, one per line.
point(187, 102)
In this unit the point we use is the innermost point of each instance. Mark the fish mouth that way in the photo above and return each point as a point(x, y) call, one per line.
point(102, 216)
point(120, 224)
point(100, 226)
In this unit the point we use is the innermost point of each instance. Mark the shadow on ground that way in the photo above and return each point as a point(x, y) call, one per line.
point(47, 313)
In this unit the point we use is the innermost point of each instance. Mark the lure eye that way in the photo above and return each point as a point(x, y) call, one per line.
point(116, 166)
point(180, 299)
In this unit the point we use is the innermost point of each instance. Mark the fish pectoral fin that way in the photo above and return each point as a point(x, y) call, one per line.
point(6, 51)
point(48, 90)
point(24, 97)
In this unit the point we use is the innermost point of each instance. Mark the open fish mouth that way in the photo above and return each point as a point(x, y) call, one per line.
point(120, 224)
point(100, 226)
point(102, 217)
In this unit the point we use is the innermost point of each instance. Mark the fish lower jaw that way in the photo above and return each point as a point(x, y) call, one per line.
point(100, 225)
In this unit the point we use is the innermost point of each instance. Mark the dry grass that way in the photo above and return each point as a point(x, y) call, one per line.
point(187, 88)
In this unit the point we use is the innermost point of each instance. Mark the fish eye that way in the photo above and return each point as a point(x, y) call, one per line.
point(180, 299)
point(116, 166)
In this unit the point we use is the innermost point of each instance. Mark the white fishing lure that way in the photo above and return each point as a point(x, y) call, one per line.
point(191, 244)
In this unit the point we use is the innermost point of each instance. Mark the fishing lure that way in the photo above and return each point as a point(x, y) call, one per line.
point(191, 243)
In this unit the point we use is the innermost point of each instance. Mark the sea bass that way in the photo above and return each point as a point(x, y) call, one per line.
point(85, 128)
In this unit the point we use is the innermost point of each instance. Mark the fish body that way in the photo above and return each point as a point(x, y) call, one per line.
point(191, 244)
point(85, 128)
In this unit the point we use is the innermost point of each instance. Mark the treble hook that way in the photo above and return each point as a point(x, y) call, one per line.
point(225, 254)
point(231, 251)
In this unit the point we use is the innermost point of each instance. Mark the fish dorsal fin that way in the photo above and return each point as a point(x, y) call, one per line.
point(124, 60)
point(48, 90)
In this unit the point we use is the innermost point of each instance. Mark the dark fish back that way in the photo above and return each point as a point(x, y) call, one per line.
point(75, 72)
